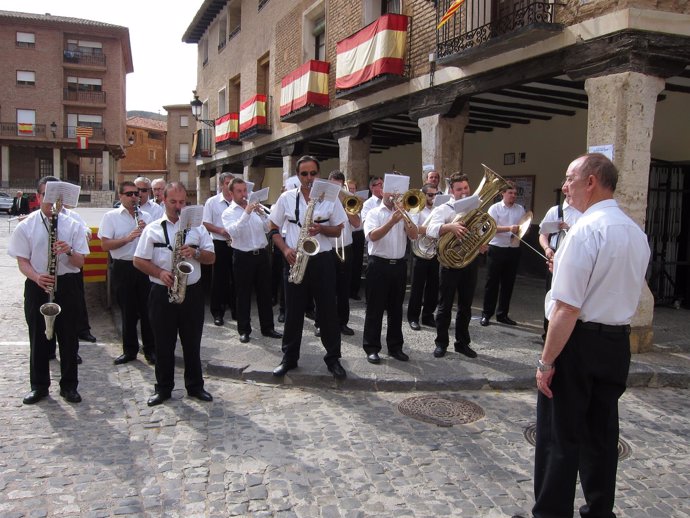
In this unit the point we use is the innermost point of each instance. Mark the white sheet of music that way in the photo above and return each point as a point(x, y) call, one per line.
point(191, 216)
point(259, 196)
point(65, 190)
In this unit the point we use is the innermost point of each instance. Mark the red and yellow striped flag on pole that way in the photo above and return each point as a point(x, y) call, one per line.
point(450, 12)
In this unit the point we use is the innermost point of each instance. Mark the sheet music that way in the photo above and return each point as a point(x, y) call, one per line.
point(395, 183)
point(250, 186)
point(191, 216)
point(328, 189)
point(259, 196)
point(362, 195)
point(549, 227)
point(65, 190)
point(440, 199)
point(467, 204)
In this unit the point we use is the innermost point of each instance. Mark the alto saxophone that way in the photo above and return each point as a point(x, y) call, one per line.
point(50, 310)
point(307, 245)
point(181, 270)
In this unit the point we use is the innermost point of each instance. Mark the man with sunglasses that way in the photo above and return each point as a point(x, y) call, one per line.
point(424, 290)
point(319, 277)
point(29, 245)
point(145, 203)
point(119, 233)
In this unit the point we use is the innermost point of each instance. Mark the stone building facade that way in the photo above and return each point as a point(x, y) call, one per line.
point(180, 128)
point(146, 149)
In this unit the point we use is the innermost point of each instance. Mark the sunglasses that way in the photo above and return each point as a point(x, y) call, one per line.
point(131, 193)
point(310, 173)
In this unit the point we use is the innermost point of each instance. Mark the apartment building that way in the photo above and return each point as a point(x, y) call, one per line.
point(62, 98)
point(146, 149)
point(523, 86)
point(181, 168)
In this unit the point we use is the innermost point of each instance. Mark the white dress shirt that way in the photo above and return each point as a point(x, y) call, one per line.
point(345, 234)
point(154, 210)
point(394, 243)
point(369, 204)
point(118, 223)
point(570, 216)
point(600, 267)
point(30, 241)
point(505, 217)
point(283, 213)
point(248, 231)
point(213, 212)
point(162, 256)
point(440, 216)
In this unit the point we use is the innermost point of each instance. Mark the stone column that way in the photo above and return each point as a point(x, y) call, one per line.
point(204, 188)
point(442, 141)
point(57, 164)
point(105, 176)
point(354, 146)
point(254, 173)
point(621, 112)
point(5, 166)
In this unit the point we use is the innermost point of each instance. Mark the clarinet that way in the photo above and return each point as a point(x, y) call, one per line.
point(50, 310)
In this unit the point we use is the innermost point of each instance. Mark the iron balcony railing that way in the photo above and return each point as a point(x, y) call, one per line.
point(83, 96)
point(182, 159)
point(480, 21)
point(13, 129)
point(205, 143)
point(75, 56)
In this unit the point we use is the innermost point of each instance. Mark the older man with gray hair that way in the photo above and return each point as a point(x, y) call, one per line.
point(145, 203)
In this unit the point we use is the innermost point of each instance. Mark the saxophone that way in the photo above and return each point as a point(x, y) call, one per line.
point(307, 245)
point(180, 269)
point(50, 310)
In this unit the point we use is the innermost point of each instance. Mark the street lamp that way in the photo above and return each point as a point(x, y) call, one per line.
point(196, 105)
point(53, 128)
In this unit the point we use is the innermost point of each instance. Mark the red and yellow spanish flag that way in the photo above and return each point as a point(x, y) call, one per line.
point(253, 112)
point(377, 49)
point(306, 85)
point(96, 262)
point(227, 127)
point(25, 128)
point(450, 12)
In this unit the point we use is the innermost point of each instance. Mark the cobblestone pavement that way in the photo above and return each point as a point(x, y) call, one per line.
point(276, 450)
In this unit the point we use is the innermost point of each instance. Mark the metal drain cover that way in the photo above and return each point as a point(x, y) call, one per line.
point(624, 449)
point(440, 411)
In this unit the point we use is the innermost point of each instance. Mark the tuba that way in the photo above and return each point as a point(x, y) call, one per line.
point(307, 246)
point(180, 269)
point(50, 310)
point(458, 253)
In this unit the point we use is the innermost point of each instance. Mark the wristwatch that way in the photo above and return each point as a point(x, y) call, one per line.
point(544, 367)
point(197, 254)
point(70, 251)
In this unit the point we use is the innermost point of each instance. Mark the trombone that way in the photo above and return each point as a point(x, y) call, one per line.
point(351, 202)
point(410, 202)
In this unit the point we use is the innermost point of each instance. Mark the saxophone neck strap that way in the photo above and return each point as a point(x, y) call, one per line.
point(167, 238)
point(296, 220)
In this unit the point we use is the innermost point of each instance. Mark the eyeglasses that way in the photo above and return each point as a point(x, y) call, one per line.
point(145, 189)
point(310, 173)
point(131, 193)
point(377, 184)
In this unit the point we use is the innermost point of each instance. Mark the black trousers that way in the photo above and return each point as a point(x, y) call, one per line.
point(222, 285)
point(463, 282)
point(343, 273)
point(84, 326)
point(167, 321)
point(502, 265)
point(132, 294)
point(385, 292)
point(424, 290)
point(65, 328)
point(251, 273)
point(358, 242)
point(577, 430)
point(319, 285)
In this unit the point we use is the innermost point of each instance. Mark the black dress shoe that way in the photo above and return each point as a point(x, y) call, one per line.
point(281, 317)
point(79, 360)
point(439, 352)
point(150, 358)
point(429, 321)
point(506, 320)
point(218, 321)
point(355, 297)
point(415, 325)
point(373, 358)
point(347, 330)
point(317, 332)
point(244, 338)
point(337, 371)
point(484, 321)
point(200, 394)
point(86, 336)
point(310, 315)
point(157, 399)
point(398, 355)
point(35, 396)
point(124, 358)
point(466, 350)
point(70, 395)
point(282, 369)
point(272, 334)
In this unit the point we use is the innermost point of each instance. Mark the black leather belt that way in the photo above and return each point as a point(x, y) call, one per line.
point(387, 261)
point(258, 251)
point(603, 328)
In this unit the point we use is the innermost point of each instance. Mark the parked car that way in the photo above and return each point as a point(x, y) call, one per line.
point(33, 201)
point(5, 202)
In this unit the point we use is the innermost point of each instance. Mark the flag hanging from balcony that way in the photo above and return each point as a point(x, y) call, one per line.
point(83, 134)
point(377, 49)
point(82, 143)
point(307, 85)
point(253, 112)
point(25, 129)
point(227, 127)
point(450, 12)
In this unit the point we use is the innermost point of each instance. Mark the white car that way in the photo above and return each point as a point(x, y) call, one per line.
point(5, 202)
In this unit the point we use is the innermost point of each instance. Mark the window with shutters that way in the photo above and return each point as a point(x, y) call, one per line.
point(26, 78)
point(26, 40)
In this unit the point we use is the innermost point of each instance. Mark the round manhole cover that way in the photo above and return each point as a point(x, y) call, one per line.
point(624, 449)
point(441, 411)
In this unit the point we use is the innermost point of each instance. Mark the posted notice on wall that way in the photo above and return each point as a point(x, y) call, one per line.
point(606, 150)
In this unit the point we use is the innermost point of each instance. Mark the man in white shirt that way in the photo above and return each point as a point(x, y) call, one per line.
point(247, 224)
point(222, 285)
point(357, 250)
point(386, 230)
point(319, 275)
point(598, 275)
point(158, 186)
point(566, 216)
point(503, 258)
point(29, 245)
point(376, 188)
point(431, 176)
point(145, 202)
point(154, 257)
point(119, 231)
